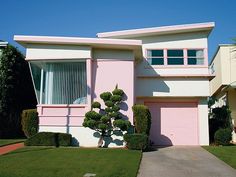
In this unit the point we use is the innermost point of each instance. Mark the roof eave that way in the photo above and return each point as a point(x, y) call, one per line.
point(159, 30)
point(93, 42)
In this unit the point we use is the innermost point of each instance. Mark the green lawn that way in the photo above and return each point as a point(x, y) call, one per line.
point(225, 153)
point(4, 142)
point(69, 162)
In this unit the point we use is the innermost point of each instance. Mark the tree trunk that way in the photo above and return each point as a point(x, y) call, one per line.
point(100, 141)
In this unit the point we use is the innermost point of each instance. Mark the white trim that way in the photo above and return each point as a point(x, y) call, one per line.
point(159, 30)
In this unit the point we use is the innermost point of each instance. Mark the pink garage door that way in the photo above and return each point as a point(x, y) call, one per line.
point(174, 123)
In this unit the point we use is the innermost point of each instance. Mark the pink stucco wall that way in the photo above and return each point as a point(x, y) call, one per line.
point(61, 115)
point(102, 75)
point(106, 74)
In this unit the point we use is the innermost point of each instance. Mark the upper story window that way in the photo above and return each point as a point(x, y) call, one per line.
point(60, 82)
point(176, 57)
point(155, 57)
point(195, 57)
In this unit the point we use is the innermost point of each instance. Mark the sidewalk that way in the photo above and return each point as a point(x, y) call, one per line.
point(11, 147)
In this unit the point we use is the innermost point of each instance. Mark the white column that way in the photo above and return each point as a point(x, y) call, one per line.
point(203, 122)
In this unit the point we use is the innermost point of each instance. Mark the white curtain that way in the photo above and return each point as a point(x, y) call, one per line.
point(60, 82)
point(65, 83)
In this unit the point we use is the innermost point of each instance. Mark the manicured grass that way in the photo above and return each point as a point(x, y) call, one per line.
point(69, 162)
point(225, 153)
point(4, 142)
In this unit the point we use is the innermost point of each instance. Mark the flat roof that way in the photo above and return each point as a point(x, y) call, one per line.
point(94, 42)
point(218, 48)
point(159, 30)
point(3, 43)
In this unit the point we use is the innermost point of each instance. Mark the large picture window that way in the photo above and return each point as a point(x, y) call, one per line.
point(60, 82)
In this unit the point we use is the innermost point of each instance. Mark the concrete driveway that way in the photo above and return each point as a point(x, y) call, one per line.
point(181, 161)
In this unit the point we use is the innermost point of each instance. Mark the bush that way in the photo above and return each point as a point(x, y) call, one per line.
point(142, 119)
point(219, 118)
point(117, 91)
point(96, 105)
point(136, 141)
point(49, 139)
point(105, 96)
point(223, 136)
point(41, 139)
point(30, 122)
point(64, 139)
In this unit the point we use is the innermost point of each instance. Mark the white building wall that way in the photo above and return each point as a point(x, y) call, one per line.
point(35, 52)
point(84, 137)
point(172, 87)
point(203, 122)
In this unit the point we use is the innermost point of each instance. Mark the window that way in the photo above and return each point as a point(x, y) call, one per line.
point(60, 83)
point(195, 57)
point(175, 57)
point(155, 57)
point(212, 68)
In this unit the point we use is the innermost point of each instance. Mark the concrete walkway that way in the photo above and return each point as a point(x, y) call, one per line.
point(179, 161)
point(11, 147)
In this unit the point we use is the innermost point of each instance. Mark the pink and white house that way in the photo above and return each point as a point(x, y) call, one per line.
point(165, 68)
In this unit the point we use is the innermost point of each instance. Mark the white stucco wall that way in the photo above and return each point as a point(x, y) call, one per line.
point(203, 122)
point(175, 41)
point(172, 87)
point(35, 52)
point(83, 137)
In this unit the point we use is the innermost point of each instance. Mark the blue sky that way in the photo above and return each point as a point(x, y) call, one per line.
point(88, 17)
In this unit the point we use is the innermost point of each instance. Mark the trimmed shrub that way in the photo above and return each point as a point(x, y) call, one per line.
point(109, 103)
point(30, 122)
point(142, 119)
point(96, 105)
point(41, 139)
point(117, 91)
point(223, 136)
point(116, 98)
point(105, 96)
point(136, 141)
point(64, 139)
point(49, 139)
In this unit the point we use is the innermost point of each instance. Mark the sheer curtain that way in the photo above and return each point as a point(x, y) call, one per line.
point(60, 82)
point(65, 83)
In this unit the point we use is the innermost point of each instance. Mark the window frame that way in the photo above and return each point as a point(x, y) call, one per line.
point(42, 81)
point(173, 57)
point(151, 57)
point(203, 50)
point(185, 56)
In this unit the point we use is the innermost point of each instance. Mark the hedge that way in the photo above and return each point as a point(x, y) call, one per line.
point(30, 122)
point(136, 141)
point(223, 136)
point(49, 139)
point(142, 119)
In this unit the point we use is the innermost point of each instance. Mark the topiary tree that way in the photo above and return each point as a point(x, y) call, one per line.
point(107, 120)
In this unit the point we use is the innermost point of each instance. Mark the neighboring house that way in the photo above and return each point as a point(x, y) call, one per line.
point(223, 86)
point(165, 68)
point(2, 45)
